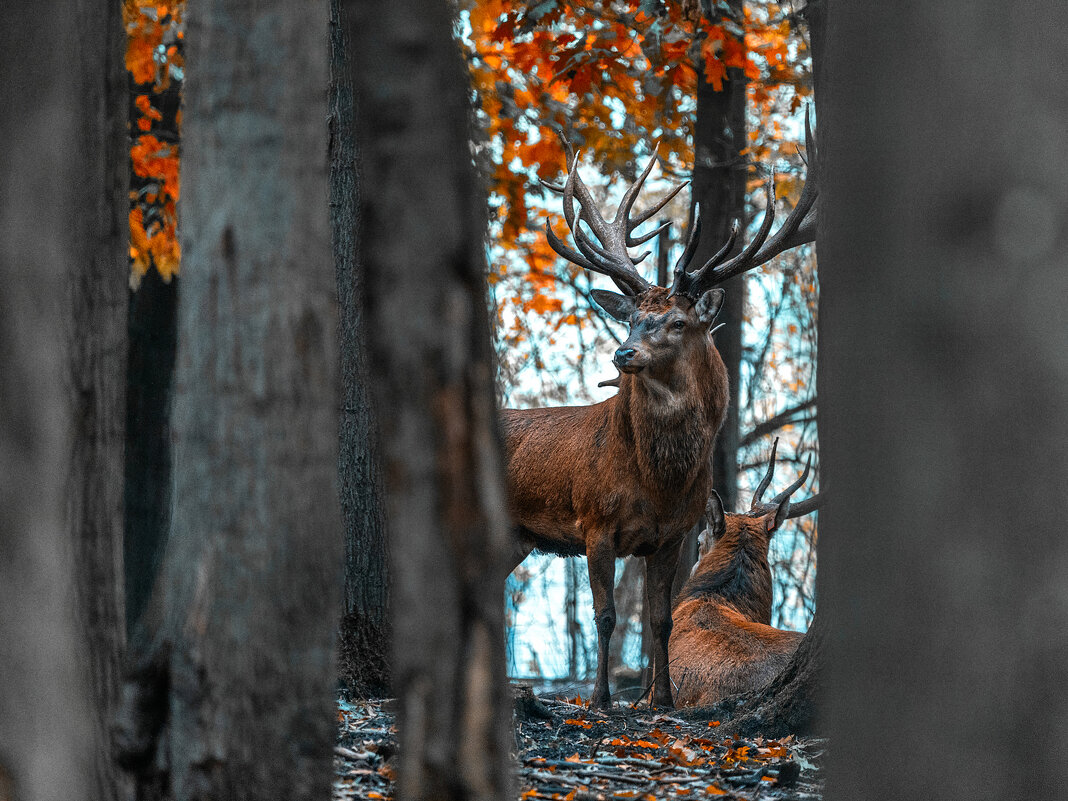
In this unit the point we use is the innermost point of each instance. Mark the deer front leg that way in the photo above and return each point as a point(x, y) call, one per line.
point(659, 573)
point(601, 556)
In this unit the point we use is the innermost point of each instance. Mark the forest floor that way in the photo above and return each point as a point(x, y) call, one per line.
point(569, 752)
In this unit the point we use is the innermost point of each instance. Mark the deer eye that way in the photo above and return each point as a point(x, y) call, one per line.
point(678, 325)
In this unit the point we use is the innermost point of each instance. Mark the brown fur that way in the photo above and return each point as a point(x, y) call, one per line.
point(721, 642)
point(628, 475)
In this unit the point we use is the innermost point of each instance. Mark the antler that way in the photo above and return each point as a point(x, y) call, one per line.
point(607, 251)
point(798, 229)
point(757, 507)
point(810, 504)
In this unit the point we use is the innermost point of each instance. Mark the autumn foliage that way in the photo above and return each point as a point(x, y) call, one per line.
point(154, 33)
point(613, 78)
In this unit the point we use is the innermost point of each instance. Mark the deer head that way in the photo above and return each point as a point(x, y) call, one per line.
point(763, 518)
point(733, 550)
point(668, 322)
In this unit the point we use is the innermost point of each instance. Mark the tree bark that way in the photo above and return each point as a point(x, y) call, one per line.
point(49, 740)
point(232, 692)
point(363, 641)
point(942, 361)
point(95, 325)
point(423, 225)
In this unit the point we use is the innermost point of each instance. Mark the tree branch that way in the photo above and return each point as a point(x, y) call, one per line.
point(783, 418)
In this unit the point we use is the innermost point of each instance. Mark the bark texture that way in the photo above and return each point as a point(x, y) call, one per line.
point(363, 641)
point(95, 327)
point(944, 129)
point(48, 739)
point(422, 224)
point(232, 690)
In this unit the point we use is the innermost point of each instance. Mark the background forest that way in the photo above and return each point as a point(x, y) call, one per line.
point(245, 274)
point(615, 80)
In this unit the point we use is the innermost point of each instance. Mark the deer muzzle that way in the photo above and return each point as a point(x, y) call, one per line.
point(628, 360)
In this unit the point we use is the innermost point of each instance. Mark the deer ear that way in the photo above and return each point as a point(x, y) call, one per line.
point(709, 304)
point(619, 306)
point(717, 521)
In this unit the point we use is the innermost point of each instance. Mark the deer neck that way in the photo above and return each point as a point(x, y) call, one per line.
point(734, 574)
point(671, 419)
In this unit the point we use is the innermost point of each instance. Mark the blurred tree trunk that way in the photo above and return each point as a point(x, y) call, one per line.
point(422, 226)
point(56, 188)
point(232, 695)
point(363, 641)
point(95, 325)
point(719, 189)
point(943, 368)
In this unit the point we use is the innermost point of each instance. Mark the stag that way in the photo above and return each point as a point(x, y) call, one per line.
point(722, 642)
point(630, 475)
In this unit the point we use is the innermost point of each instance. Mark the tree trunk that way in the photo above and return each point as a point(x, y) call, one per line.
point(232, 694)
point(423, 225)
point(153, 335)
point(95, 325)
point(48, 730)
point(942, 360)
point(363, 641)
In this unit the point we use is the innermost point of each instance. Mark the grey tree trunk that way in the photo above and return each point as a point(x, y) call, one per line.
point(95, 325)
point(363, 636)
point(943, 355)
point(45, 692)
point(232, 692)
point(422, 228)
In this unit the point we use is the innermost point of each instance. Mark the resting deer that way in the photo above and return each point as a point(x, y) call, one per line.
point(722, 642)
point(630, 475)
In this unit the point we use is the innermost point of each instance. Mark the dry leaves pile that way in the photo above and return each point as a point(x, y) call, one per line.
point(567, 752)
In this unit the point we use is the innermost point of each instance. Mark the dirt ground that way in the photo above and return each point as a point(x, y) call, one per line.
point(566, 751)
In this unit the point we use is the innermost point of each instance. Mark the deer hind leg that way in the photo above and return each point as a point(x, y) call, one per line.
point(601, 556)
point(659, 573)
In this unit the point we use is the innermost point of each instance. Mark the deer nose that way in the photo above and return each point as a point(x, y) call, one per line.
point(623, 355)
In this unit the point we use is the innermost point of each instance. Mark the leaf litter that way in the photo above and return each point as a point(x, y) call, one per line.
point(566, 751)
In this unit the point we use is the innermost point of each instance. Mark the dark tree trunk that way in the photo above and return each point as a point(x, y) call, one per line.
point(95, 324)
point(153, 333)
point(423, 224)
point(719, 189)
point(942, 272)
point(56, 187)
point(363, 641)
point(232, 695)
